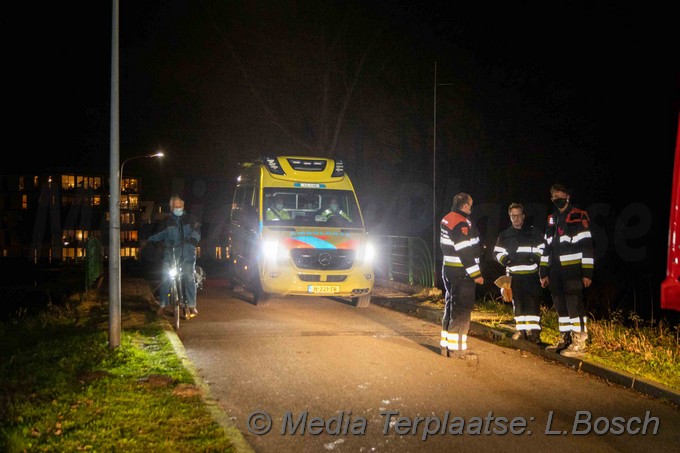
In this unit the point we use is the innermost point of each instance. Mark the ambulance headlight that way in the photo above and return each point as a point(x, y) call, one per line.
point(273, 251)
point(367, 253)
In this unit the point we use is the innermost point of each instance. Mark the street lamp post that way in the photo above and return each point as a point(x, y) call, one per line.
point(114, 190)
point(114, 248)
point(434, 169)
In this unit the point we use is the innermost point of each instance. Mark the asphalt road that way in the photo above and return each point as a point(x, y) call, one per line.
point(332, 377)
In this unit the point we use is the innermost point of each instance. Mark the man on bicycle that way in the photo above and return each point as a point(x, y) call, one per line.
point(180, 231)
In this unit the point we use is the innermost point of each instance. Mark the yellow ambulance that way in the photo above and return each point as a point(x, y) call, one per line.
point(296, 229)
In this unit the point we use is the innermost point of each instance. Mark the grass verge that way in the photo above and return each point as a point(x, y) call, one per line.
point(64, 389)
point(626, 343)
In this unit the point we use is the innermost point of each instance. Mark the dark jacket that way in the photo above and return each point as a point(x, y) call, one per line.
point(568, 244)
point(460, 244)
point(519, 249)
point(181, 231)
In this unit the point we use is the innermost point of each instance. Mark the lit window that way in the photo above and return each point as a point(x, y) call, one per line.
point(134, 201)
point(68, 182)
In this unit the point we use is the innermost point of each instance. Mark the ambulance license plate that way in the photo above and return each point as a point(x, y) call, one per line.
point(322, 289)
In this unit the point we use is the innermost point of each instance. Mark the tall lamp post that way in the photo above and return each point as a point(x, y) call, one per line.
point(114, 190)
point(434, 170)
point(114, 252)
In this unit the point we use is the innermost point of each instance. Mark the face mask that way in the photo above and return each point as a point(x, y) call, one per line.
point(560, 202)
point(333, 207)
point(178, 212)
point(279, 206)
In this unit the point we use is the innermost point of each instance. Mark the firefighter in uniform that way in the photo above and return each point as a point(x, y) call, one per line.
point(461, 248)
point(567, 268)
point(519, 249)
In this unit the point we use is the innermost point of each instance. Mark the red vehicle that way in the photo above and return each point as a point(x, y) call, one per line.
point(670, 287)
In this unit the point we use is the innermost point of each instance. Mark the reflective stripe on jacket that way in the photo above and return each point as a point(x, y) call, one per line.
point(460, 244)
point(328, 213)
point(524, 246)
point(568, 243)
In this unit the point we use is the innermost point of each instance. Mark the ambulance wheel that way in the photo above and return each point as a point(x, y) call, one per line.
point(231, 276)
point(362, 301)
point(261, 298)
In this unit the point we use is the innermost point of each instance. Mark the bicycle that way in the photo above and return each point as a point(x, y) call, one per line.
point(177, 297)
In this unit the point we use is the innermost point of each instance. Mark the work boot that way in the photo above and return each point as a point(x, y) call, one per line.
point(562, 345)
point(534, 336)
point(578, 346)
point(444, 344)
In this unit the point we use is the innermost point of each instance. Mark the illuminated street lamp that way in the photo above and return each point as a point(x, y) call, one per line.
point(114, 232)
point(120, 183)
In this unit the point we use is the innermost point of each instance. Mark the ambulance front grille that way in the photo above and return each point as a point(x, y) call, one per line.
point(323, 259)
point(317, 278)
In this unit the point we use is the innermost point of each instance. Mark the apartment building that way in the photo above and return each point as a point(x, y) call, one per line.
point(50, 216)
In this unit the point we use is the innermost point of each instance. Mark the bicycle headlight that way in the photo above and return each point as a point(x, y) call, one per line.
point(173, 272)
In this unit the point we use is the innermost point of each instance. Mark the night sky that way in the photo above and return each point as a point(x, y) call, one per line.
point(583, 93)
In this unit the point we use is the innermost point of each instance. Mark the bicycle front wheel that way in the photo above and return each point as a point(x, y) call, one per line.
point(175, 301)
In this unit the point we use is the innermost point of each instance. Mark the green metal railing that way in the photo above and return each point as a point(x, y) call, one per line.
point(405, 259)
